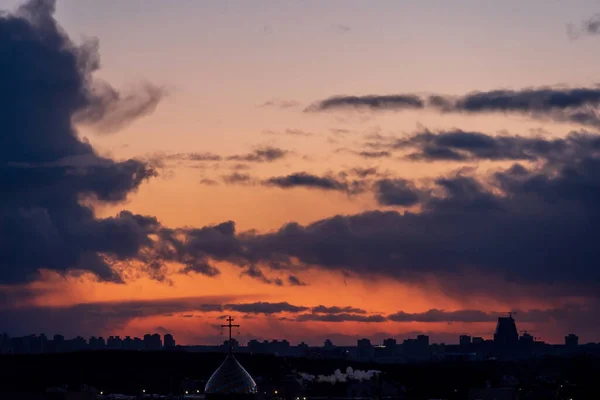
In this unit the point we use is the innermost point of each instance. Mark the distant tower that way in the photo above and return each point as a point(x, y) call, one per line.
point(506, 335)
point(464, 340)
point(230, 380)
point(169, 341)
point(571, 340)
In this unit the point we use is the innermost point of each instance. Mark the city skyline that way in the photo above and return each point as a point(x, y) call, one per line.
point(319, 170)
point(505, 333)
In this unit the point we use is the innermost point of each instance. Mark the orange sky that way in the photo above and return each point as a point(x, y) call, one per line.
point(220, 69)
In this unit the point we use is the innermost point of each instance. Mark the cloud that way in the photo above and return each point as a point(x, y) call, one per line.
point(435, 315)
point(458, 145)
point(364, 172)
point(293, 280)
point(263, 154)
point(543, 233)
point(46, 170)
point(306, 180)
point(588, 27)
point(374, 154)
point(341, 28)
point(265, 308)
point(256, 273)
point(282, 104)
point(94, 318)
point(337, 310)
point(571, 105)
point(100, 317)
point(374, 102)
point(539, 316)
point(398, 192)
point(236, 178)
point(343, 317)
point(110, 110)
point(592, 25)
point(290, 132)
point(209, 182)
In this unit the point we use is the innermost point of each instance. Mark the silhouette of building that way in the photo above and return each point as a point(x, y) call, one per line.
point(571, 340)
point(506, 336)
point(169, 341)
point(390, 345)
point(114, 343)
point(478, 340)
point(526, 339)
point(152, 342)
point(464, 340)
point(364, 348)
point(328, 345)
point(230, 380)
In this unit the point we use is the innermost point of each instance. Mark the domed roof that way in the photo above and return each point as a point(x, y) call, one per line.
point(230, 378)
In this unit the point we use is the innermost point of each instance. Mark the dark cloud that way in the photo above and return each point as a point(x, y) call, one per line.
point(526, 226)
point(200, 267)
point(573, 105)
point(236, 178)
point(374, 154)
point(397, 192)
point(93, 318)
point(538, 316)
point(592, 25)
point(209, 182)
point(46, 170)
point(458, 145)
point(110, 110)
point(337, 310)
point(374, 102)
point(293, 280)
point(588, 27)
point(203, 157)
point(265, 308)
point(435, 315)
point(264, 154)
point(304, 179)
point(256, 273)
point(364, 172)
point(343, 317)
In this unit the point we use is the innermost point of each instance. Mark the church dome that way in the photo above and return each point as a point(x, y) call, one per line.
point(230, 379)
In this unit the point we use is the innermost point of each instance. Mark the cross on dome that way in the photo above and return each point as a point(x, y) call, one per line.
point(230, 325)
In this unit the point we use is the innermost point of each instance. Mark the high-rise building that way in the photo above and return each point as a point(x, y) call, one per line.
point(423, 340)
point(169, 341)
point(464, 340)
point(152, 342)
point(390, 347)
point(506, 335)
point(364, 348)
point(571, 340)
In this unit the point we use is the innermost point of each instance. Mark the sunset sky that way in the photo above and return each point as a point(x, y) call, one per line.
point(316, 169)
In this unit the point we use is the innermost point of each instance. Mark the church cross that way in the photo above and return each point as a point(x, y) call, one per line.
point(230, 325)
